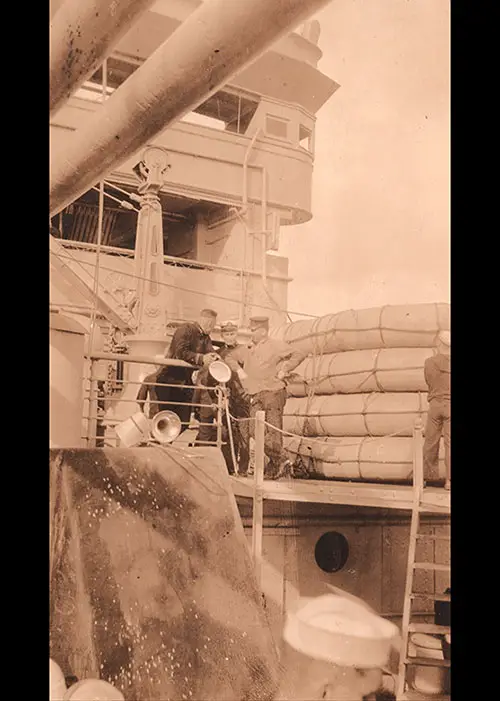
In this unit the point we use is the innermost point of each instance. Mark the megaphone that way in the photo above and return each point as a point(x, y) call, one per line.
point(220, 371)
point(137, 429)
point(165, 427)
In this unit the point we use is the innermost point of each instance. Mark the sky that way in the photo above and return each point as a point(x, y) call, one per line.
point(380, 232)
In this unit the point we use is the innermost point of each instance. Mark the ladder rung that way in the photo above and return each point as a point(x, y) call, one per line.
point(425, 536)
point(431, 597)
point(431, 566)
point(429, 628)
point(427, 662)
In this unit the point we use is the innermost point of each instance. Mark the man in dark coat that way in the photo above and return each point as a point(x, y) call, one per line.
point(437, 371)
point(238, 402)
point(191, 342)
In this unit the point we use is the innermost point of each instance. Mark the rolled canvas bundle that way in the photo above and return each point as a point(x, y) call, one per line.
point(374, 414)
point(357, 458)
point(354, 401)
point(377, 370)
point(398, 326)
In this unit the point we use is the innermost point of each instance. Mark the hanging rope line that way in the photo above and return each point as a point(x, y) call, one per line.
point(180, 289)
point(324, 440)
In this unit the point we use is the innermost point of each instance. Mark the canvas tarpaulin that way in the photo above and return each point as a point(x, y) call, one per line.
point(152, 585)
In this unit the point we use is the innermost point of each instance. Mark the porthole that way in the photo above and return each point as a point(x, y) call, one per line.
point(331, 552)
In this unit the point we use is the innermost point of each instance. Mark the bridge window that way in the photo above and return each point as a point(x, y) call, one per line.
point(117, 71)
point(225, 110)
point(277, 127)
point(305, 138)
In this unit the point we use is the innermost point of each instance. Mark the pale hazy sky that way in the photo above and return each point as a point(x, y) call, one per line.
point(380, 232)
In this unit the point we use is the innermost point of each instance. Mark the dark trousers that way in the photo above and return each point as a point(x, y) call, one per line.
point(438, 424)
point(207, 433)
point(241, 434)
point(180, 396)
point(273, 404)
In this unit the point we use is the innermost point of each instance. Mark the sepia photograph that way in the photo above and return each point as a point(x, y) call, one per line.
point(250, 350)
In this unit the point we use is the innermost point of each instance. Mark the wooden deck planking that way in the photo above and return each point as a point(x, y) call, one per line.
point(385, 496)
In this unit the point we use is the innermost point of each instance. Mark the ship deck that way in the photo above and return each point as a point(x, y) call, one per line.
point(384, 496)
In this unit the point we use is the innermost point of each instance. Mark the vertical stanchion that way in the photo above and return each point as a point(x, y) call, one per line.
point(418, 459)
point(220, 399)
point(258, 499)
point(93, 408)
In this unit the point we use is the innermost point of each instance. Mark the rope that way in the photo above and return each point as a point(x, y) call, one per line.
point(324, 441)
point(358, 457)
point(317, 334)
point(311, 393)
point(382, 340)
point(321, 378)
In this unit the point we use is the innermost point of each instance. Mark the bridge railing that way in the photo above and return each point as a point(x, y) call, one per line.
point(110, 388)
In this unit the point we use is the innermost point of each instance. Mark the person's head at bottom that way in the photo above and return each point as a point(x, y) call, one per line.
point(335, 649)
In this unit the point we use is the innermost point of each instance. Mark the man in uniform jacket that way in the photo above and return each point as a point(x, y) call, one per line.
point(191, 342)
point(266, 363)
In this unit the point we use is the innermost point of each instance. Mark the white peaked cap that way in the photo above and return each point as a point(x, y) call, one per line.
point(341, 631)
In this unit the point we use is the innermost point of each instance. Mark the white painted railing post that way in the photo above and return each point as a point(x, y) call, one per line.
point(258, 499)
point(418, 458)
point(220, 399)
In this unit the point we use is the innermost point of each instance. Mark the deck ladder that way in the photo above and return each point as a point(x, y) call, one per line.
point(409, 626)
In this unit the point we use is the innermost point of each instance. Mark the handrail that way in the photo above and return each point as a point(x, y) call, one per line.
point(144, 359)
point(174, 260)
point(98, 428)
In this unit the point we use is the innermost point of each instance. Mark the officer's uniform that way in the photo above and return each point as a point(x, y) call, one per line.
point(189, 343)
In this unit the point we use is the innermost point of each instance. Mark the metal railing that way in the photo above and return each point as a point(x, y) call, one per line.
point(101, 396)
point(185, 283)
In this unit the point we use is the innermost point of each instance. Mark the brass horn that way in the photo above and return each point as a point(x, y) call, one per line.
point(165, 427)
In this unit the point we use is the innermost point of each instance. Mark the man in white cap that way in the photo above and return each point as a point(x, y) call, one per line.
point(437, 371)
point(335, 649)
point(266, 363)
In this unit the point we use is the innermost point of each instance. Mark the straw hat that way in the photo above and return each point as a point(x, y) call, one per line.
point(341, 631)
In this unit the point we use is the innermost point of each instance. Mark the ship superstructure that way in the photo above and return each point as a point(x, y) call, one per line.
point(241, 168)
